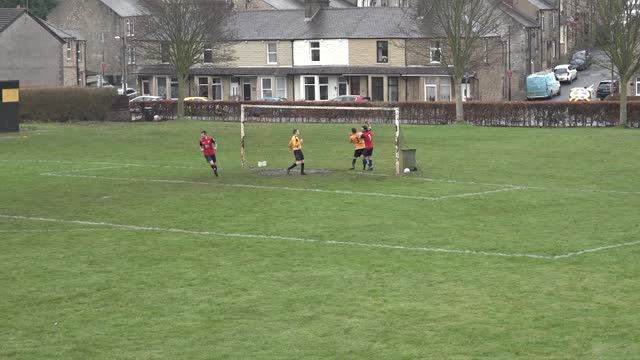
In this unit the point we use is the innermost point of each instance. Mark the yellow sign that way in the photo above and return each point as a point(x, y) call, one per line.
point(10, 95)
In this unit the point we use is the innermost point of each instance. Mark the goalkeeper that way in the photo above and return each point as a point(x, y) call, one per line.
point(358, 145)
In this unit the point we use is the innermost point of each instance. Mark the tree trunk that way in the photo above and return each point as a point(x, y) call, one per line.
point(181, 87)
point(623, 101)
point(459, 108)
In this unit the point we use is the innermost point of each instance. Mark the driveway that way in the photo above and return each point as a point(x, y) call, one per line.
point(592, 76)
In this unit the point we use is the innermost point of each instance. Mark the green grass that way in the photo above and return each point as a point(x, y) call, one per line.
point(349, 281)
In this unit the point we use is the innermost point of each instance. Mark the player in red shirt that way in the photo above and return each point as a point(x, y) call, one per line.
point(208, 147)
point(367, 136)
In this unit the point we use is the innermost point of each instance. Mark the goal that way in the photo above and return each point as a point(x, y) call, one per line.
point(386, 117)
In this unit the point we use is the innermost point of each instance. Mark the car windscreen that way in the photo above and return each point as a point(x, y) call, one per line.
point(579, 56)
point(560, 71)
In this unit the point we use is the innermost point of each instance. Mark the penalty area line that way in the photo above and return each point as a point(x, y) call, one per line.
point(326, 242)
point(282, 188)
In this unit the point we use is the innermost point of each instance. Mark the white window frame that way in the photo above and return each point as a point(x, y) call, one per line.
point(382, 59)
point(131, 26)
point(131, 55)
point(263, 88)
point(171, 81)
point(312, 49)
point(342, 80)
point(314, 84)
point(542, 20)
point(216, 82)
point(199, 85)
point(274, 53)
point(207, 49)
point(638, 86)
point(143, 82)
point(439, 92)
point(323, 85)
point(435, 87)
point(432, 52)
point(68, 50)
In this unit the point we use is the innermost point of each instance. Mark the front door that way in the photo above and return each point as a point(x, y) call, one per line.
point(355, 85)
point(246, 90)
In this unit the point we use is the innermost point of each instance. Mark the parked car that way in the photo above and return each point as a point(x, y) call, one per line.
point(351, 98)
point(604, 88)
point(272, 98)
point(581, 94)
point(542, 85)
point(581, 59)
point(131, 92)
point(196, 98)
point(135, 104)
point(566, 73)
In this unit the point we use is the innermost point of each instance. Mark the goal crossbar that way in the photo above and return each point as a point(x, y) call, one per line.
point(396, 111)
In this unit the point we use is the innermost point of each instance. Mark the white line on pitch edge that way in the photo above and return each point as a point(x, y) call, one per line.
point(329, 242)
point(274, 237)
point(264, 187)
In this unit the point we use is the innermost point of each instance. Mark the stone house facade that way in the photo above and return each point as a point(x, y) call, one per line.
point(353, 51)
point(31, 52)
point(109, 27)
point(73, 56)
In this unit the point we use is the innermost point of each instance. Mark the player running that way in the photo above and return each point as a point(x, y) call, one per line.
point(367, 136)
point(208, 147)
point(295, 144)
point(358, 145)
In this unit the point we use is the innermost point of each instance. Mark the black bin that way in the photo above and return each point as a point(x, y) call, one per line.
point(9, 106)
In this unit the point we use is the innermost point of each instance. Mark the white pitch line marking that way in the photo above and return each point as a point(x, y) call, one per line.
point(284, 188)
point(328, 242)
point(53, 230)
point(520, 187)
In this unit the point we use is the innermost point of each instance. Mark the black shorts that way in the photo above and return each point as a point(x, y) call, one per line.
point(298, 154)
point(210, 158)
point(358, 153)
point(367, 152)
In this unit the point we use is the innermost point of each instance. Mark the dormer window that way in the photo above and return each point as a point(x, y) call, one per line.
point(382, 51)
point(435, 52)
point(315, 51)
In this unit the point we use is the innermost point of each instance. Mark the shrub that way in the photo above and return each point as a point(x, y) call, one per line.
point(66, 104)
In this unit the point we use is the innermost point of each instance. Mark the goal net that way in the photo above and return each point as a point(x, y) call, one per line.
point(265, 131)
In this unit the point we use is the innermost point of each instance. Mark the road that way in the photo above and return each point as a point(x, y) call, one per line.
point(592, 76)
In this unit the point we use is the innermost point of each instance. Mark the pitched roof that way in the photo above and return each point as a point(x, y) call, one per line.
point(125, 8)
point(8, 16)
point(299, 4)
point(64, 34)
point(542, 5)
point(331, 23)
point(520, 18)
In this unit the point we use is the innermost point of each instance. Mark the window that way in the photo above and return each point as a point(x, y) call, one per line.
point(445, 91)
point(343, 86)
point(162, 87)
point(393, 88)
point(377, 88)
point(267, 87)
point(79, 55)
point(281, 87)
point(637, 86)
point(486, 52)
point(131, 26)
point(131, 55)
point(382, 51)
point(146, 86)
point(309, 88)
point(431, 89)
point(435, 52)
point(272, 53)
point(324, 87)
point(208, 53)
point(541, 21)
point(216, 88)
point(174, 88)
point(164, 52)
point(69, 51)
point(315, 50)
point(203, 87)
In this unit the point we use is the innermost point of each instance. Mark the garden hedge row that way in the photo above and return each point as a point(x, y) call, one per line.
point(66, 104)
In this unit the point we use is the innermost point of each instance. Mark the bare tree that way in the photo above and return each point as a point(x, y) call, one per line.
point(463, 25)
point(617, 27)
point(186, 33)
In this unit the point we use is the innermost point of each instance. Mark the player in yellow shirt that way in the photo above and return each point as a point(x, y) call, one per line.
point(358, 145)
point(295, 144)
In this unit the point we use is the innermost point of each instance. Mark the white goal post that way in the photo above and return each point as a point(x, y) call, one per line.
point(395, 110)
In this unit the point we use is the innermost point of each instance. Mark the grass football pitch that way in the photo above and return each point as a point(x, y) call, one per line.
point(117, 242)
